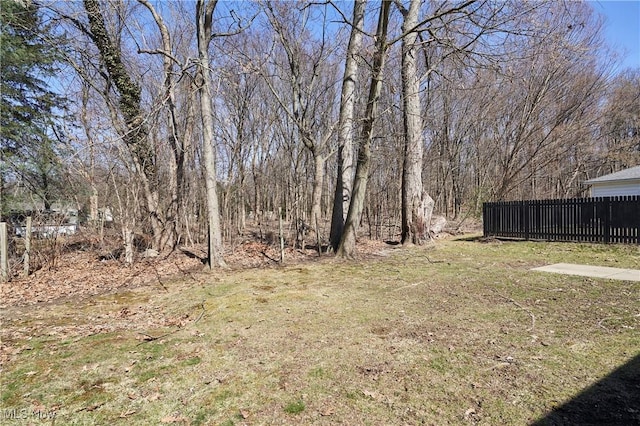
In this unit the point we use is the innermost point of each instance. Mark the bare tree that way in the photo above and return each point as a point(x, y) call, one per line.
point(417, 205)
point(344, 174)
point(536, 120)
point(177, 136)
point(204, 21)
point(347, 247)
point(620, 124)
point(310, 85)
point(130, 106)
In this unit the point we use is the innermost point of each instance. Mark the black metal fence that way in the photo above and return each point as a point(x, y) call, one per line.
point(603, 219)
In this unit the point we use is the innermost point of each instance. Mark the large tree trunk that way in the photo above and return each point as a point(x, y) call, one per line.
point(344, 178)
point(416, 204)
point(186, 183)
point(204, 16)
point(347, 247)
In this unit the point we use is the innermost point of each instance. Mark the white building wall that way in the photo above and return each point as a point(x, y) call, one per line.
point(614, 189)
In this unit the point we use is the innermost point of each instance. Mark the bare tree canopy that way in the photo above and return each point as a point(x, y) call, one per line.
point(196, 122)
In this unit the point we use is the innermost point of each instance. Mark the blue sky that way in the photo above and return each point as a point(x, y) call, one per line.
point(622, 27)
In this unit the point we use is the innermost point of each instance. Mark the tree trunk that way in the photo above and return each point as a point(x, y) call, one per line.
point(127, 237)
point(347, 247)
point(204, 16)
point(186, 183)
point(176, 139)
point(415, 202)
point(129, 104)
point(344, 178)
point(4, 257)
point(316, 195)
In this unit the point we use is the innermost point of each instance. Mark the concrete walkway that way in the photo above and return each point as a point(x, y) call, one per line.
point(592, 271)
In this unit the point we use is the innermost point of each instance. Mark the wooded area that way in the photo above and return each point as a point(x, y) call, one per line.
point(199, 121)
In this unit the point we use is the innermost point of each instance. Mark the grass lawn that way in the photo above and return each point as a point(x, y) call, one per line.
point(459, 333)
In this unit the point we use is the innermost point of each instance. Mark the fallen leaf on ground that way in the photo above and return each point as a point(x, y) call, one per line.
point(469, 412)
point(174, 419)
point(327, 412)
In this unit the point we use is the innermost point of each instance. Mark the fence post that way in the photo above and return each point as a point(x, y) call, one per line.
point(4, 257)
point(607, 219)
point(525, 218)
point(27, 247)
point(281, 235)
point(485, 220)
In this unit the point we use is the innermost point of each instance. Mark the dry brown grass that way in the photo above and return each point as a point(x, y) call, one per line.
point(456, 334)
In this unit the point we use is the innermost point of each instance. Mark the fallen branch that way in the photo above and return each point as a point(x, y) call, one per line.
point(91, 407)
point(607, 319)
point(149, 338)
point(433, 261)
point(533, 317)
point(407, 286)
point(498, 365)
point(268, 257)
point(201, 313)
point(155, 269)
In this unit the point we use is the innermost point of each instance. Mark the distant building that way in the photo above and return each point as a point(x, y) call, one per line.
point(60, 220)
point(624, 182)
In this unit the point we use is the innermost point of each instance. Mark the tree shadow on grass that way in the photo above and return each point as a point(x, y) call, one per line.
point(614, 400)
